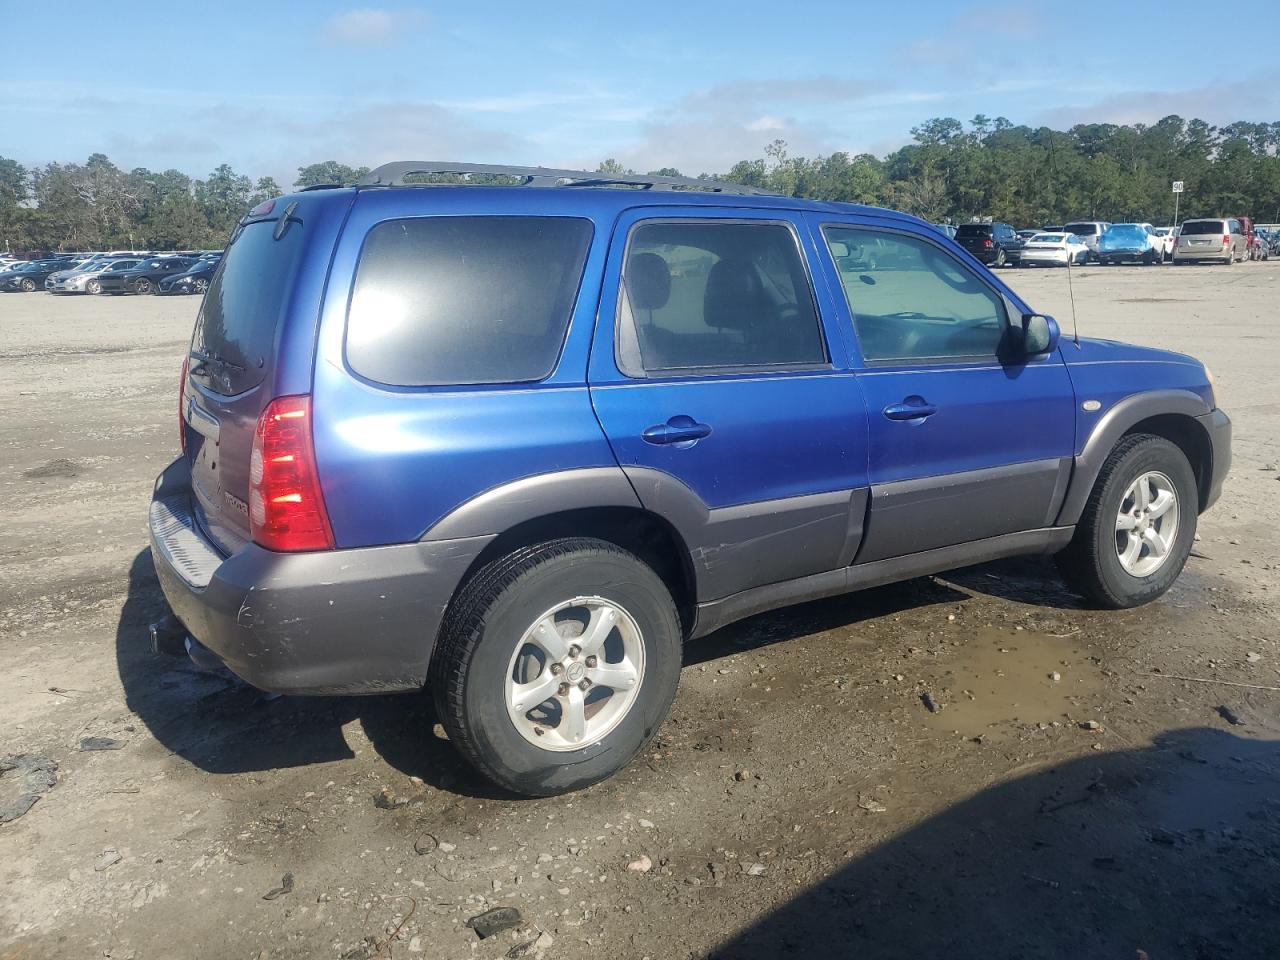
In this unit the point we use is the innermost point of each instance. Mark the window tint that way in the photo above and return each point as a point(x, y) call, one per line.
point(911, 301)
point(1082, 229)
point(704, 295)
point(974, 230)
point(457, 300)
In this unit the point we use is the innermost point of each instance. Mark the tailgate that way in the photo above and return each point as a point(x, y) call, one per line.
point(230, 366)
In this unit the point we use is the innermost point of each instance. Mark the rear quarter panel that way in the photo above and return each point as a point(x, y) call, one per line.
point(395, 460)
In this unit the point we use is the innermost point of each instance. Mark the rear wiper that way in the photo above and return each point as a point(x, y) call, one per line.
point(211, 358)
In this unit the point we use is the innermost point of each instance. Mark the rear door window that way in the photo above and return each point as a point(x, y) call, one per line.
point(236, 329)
point(464, 300)
point(701, 295)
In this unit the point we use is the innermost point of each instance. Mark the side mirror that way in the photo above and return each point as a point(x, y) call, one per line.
point(1038, 334)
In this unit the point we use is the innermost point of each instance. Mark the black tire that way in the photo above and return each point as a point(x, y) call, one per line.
point(1090, 563)
point(143, 286)
point(1000, 258)
point(93, 286)
point(200, 286)
point(487, 618)
point(28, 285)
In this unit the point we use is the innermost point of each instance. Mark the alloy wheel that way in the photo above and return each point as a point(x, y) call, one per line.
point(575, 674)
point(1147, 524)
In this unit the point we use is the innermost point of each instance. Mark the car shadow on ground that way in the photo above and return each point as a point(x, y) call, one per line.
point(222, 725)
point(1164, 852)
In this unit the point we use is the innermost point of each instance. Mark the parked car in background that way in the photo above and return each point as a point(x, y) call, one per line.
point(1025, 235)
point(86, 277)
point(1251, 238)
point(144, 277)
point(1052, 228)
point(195, 279)
point(531, 504)
point(1215, 239)
point(946, 229)
point(1130, 243)
point(995, 244)
point(1090, 231)
point(1168, 236)
point(30, 276)
point(1054, 250)
point(1269, 242)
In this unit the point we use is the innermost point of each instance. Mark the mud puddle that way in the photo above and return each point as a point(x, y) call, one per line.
point(1011, 676)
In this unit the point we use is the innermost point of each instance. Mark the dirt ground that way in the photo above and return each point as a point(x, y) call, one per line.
point(800, 801)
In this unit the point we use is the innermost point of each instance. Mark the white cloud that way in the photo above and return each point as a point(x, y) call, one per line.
point(369, 27)
point(1250, 96)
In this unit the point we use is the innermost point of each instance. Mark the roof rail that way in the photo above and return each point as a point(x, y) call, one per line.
point(395, 175)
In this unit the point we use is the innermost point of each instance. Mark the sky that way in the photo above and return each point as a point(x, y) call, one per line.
point(270, 85)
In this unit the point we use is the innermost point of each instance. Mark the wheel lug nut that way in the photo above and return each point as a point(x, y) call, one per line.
point(591, 662)
point(557, 669)
point(563, 690)
point(575, 650)
point(584, 684)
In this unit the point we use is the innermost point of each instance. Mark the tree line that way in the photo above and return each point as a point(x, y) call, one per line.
point(951, 171)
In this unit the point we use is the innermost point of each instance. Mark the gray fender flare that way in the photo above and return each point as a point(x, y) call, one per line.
point(500, 508)
point(1107, 432)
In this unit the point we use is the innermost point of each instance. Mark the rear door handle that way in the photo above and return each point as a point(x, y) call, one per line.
point(912, 408)
point(679, 429)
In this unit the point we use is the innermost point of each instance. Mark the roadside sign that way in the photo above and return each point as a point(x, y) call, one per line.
point(1177, 186)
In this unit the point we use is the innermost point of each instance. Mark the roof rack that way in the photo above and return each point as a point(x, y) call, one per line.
point(395, 175)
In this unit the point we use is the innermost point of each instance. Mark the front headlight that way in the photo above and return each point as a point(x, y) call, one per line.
point(1213, 387)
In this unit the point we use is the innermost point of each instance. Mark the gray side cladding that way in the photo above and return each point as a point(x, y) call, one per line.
point(732, 548)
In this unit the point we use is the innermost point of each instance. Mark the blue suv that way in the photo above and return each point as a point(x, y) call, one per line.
point(517, 442)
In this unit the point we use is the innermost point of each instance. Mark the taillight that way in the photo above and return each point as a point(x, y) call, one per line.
point(182, 406)
point(1226, 239)
point(987, 243)
point(286, 508)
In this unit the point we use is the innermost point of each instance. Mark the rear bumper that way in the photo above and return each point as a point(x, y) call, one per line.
point(1193, 256)
point(1218, 426)
point(330, 622)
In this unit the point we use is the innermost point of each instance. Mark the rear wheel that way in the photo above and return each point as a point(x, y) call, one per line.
point(557, 664)
point(1000, 259)
point(1137, 529)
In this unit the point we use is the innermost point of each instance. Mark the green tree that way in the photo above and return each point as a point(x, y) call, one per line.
point(328, 172)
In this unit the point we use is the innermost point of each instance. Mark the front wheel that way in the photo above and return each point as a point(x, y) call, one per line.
point(556, 665)
point(28, 285)
point(142, 285)
point(94, 286)
point(1137, 529)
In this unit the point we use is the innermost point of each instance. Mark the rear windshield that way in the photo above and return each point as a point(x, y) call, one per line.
point(974, 230)
point(459, 300)
point(1082, 229)
point(237, 323)
point(1202, 227)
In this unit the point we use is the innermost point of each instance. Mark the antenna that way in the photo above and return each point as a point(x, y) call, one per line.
point(1075, 328)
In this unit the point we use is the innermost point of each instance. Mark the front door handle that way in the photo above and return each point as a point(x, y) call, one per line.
point(912, 408)
point(679, 429)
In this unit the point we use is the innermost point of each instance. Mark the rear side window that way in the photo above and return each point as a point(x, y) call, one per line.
point(708, 295)
point(1082, 229)
point(1194, 228)
point(237, 324)
point(464, 300)
point(974, 230)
